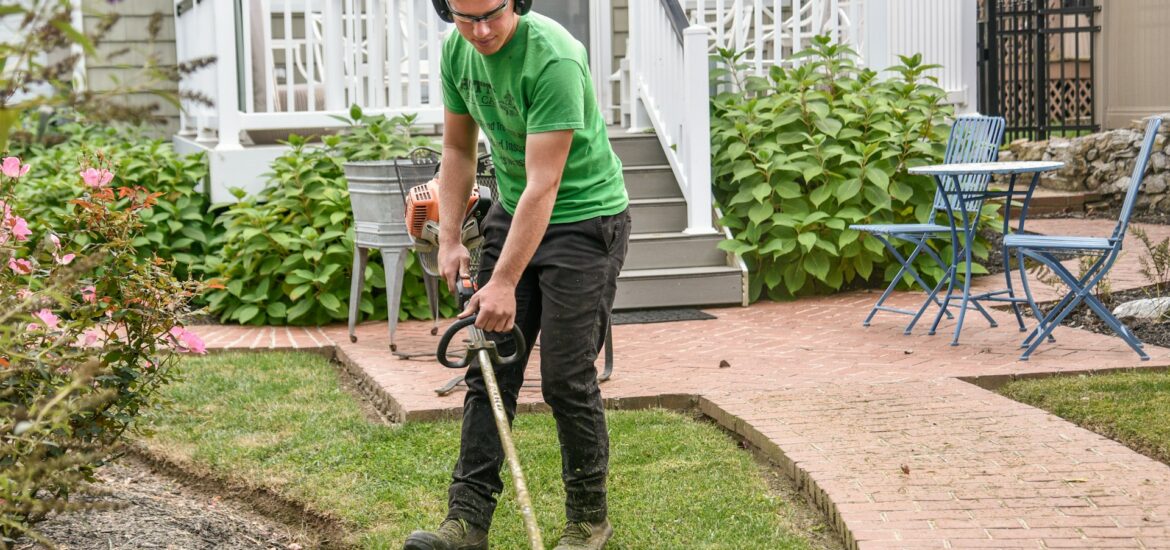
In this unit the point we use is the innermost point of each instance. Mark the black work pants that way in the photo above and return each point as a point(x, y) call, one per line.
point(565, 294)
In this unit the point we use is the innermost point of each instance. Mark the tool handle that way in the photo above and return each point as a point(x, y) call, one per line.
point(445, 342)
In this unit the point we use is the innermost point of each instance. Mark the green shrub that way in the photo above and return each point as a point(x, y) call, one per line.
point(87, 330)
point(804, 153)
point(287, 254)
point(179, 225)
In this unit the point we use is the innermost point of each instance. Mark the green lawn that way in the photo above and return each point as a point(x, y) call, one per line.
point(283, 421)
point(1131, 407)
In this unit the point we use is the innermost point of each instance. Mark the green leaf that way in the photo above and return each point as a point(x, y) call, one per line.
point(788, 190)
point(848, 189)
point(760, 212)
point(735, 150)
point(330, 301)
point(817, 265)
point(807, 240)
point(878, 177)
point(820, 195)
point(299, 309)
point(829, 126)
point(246, 313)
point(276, 310)
point(812, 172)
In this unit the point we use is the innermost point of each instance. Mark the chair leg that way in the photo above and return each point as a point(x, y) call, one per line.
point(1036, 312)
point(906, 268)
point(1116, 325)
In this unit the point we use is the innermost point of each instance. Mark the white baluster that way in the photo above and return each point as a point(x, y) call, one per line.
point(376, 52)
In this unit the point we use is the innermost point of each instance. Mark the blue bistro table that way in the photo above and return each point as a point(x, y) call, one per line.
point(966, 188)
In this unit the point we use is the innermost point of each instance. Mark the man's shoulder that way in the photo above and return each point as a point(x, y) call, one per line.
point(552, 40)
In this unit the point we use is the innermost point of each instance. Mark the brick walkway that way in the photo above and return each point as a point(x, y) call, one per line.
point(847, 410)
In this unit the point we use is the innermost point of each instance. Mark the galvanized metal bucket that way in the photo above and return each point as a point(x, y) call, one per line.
point(377, 199)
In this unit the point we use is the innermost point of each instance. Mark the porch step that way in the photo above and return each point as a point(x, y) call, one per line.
point(636, 149)
point(651, 182)
point(691, 286)
point(665, 215)
point(667, 250)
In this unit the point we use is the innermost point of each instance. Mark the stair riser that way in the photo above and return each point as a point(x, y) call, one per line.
point(639, 151)
point(724, 289)
point(658, 218)
point(674, 252)
point(658, 183)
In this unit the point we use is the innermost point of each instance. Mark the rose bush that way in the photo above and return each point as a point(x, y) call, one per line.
point(88, 333)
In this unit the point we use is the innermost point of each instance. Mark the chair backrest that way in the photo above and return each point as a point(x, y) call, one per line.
point(1135, 180)
point(972, 139)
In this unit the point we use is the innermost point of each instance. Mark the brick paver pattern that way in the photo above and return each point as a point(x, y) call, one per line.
point(886, 432)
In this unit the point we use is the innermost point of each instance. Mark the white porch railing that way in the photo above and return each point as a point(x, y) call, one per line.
point(879, 30)
point(659, 53)
point(943, 31)
point(293, 64)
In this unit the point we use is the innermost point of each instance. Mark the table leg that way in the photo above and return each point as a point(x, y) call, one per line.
point(1007, 271)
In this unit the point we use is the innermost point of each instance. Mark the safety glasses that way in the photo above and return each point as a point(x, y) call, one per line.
point(486, 18)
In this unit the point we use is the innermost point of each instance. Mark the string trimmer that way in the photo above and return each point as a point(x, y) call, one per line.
point(479, 347)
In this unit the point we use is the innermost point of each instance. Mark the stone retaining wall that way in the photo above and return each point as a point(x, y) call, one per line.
point(1103, 163)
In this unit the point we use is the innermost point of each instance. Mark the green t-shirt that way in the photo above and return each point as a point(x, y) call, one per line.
point(538, 82)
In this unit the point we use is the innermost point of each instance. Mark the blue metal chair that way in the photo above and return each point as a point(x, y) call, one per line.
point(972, 139)
point(1043, 249)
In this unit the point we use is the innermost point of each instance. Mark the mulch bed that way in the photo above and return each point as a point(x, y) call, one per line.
point(151, 510)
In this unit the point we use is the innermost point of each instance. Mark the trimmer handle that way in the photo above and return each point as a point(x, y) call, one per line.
point(466, 288)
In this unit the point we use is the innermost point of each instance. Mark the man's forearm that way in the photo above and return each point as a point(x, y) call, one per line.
point(456, 176)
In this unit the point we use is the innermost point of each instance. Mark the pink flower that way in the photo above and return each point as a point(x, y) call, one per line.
point(64, 260)
point(24, 294)
point(20, 228)
point(12, 168)
point(95, 178)
point(187, 340)
point(89, 294)
point(51, 321)
point(56, 241)
point(21, 267)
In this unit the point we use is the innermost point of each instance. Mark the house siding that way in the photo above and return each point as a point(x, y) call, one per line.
point(104, 70)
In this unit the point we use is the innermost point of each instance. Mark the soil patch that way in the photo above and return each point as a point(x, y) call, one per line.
point(148, 509)
point(1156, 332)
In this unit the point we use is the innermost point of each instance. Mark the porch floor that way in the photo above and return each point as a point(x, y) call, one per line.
point(846, 411)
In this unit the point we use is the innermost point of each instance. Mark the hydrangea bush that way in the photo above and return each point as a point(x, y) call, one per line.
point(88, 333)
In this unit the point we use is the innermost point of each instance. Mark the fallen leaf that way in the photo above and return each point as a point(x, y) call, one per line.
point(906, 469)
point(908, 352)
point(723, 364)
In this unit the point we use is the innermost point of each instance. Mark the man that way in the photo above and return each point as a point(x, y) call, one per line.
point(555, 241)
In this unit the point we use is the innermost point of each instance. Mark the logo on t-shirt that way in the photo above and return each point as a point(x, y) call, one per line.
point(508, 105)
point(477, 92)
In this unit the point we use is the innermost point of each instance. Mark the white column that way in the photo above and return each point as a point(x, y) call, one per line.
point(79, 71)
point(697, 133)
point(334, 57)
point(969, 56)
point(226, 84)
point(877, 34)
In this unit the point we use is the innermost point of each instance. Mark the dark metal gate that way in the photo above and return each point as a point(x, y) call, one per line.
point(1036, 65)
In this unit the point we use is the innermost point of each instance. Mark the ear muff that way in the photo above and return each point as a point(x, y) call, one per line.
point(521, 7)
point(443, 10)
